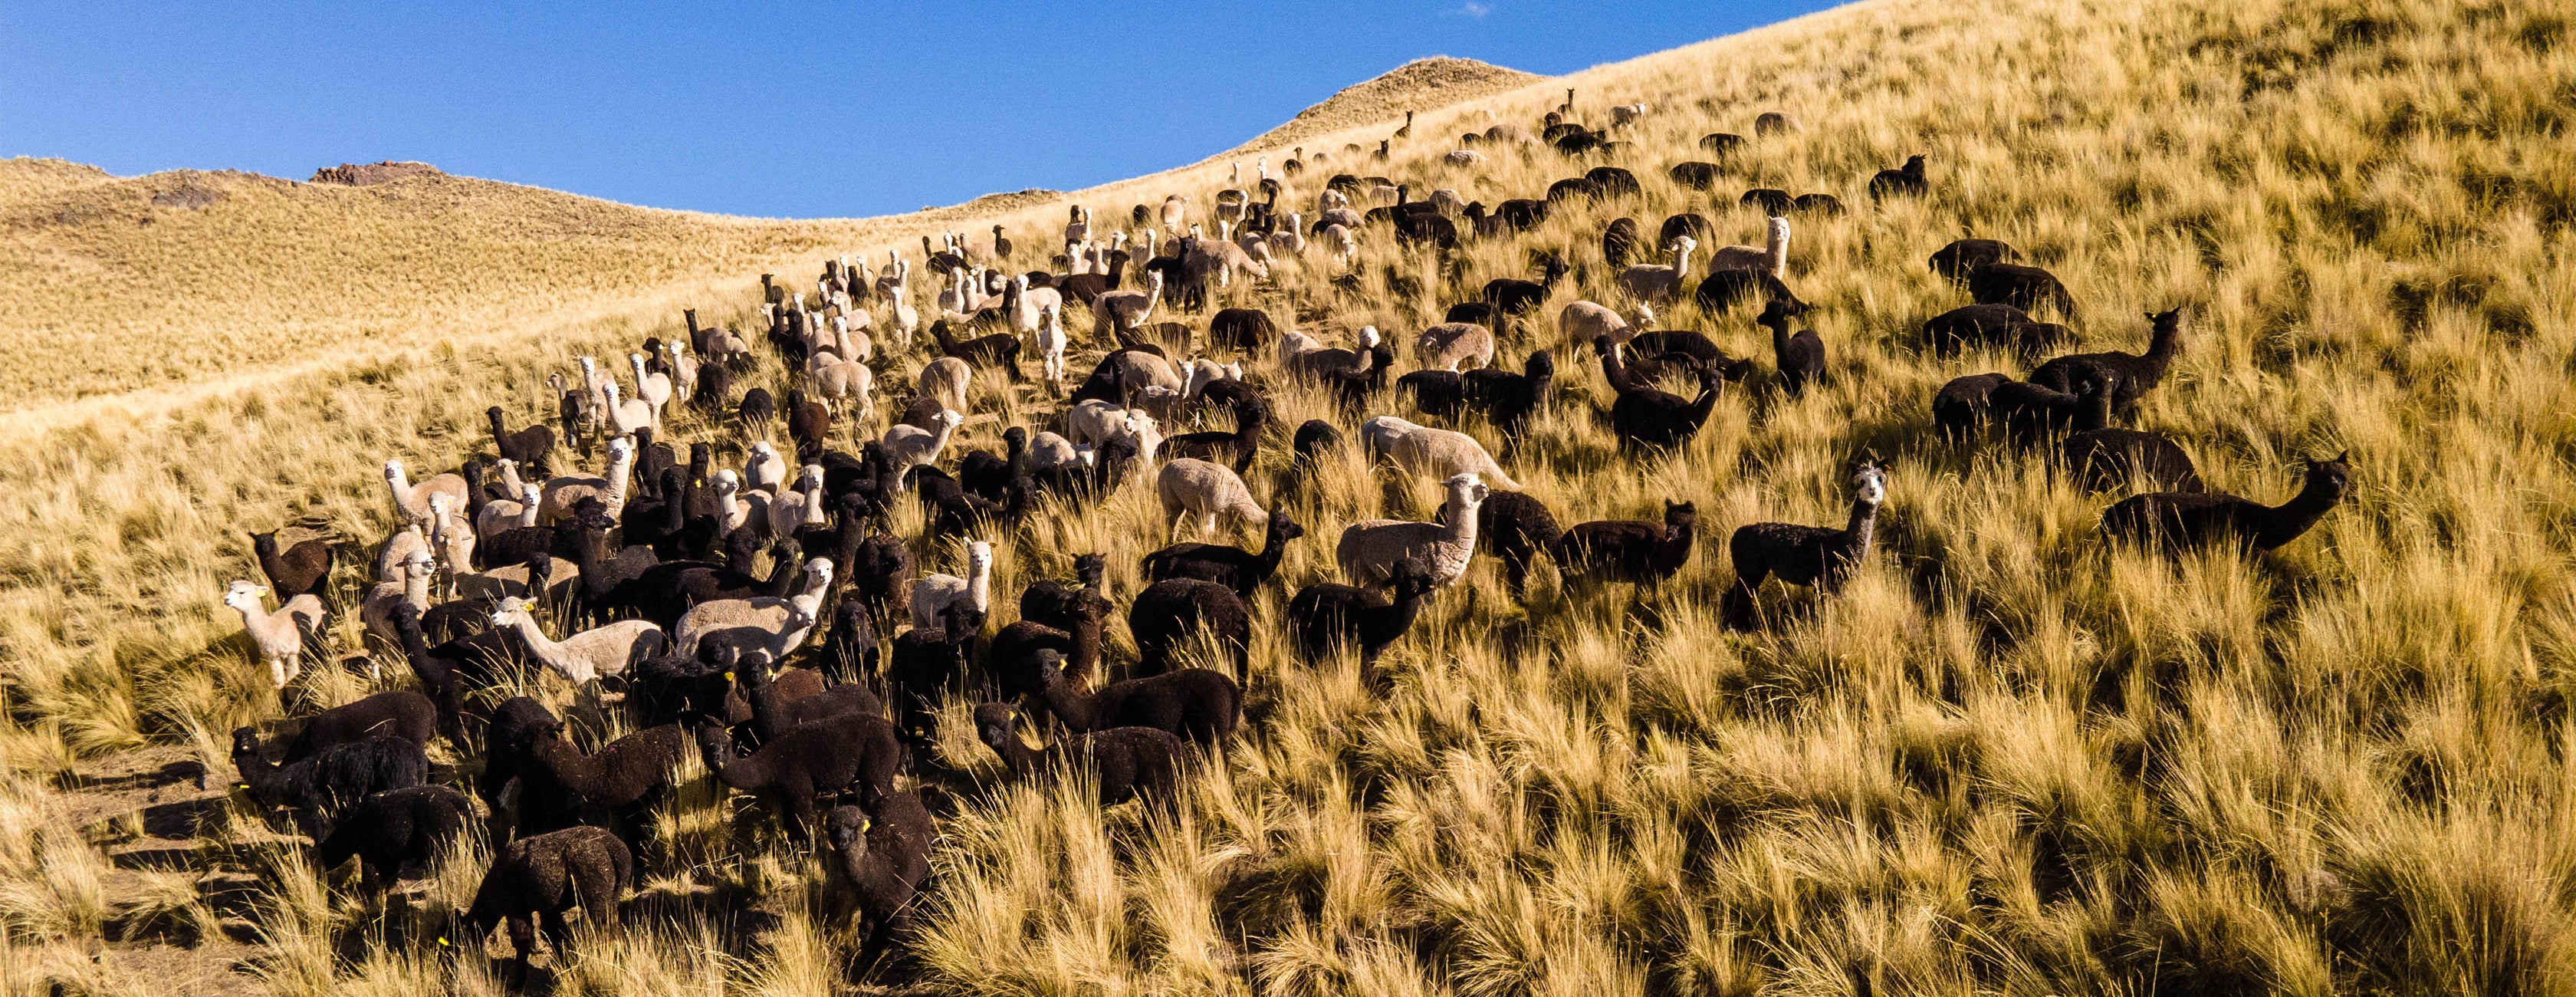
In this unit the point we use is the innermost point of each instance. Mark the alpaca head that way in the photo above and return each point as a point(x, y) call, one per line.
point(727, 482)
point(847, 827)
point(995, 723)
point(1283, 528)
point(948, 418)
point(394, 471)
point(2331, 478)
point(1869, 483)
point(1680, 515)
point(762, 452)
point(979, 556)
point(512, 610)
point(621, 451)
point(530, 496)
point(1368, 337)
point(244, 596)
point(1467, 490)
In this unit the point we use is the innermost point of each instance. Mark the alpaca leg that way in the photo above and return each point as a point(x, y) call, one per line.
point(1738, 607)
point(523, 937)
point(1207, 524)
point(277, 673)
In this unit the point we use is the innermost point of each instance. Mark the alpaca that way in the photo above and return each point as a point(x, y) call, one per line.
point(1369, 549)
point(1818, 556)
point(1800, 358)
point(1904, 181)
point(1439, 453)
point(2133, 374)
point(411, 501)
point(1627, 550)
point(936, 592)
point(585, 656)
point(302, 569)
point(278, 636)
point(1645, 417)
point(1772, 257)
point(1450, 344)
point(1326, 613)
point(2184, 520)
point(1192, 488)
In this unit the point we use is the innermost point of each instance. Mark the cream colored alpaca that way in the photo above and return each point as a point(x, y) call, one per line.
point(279, 636)
point(585, 656)
point(1772, 257)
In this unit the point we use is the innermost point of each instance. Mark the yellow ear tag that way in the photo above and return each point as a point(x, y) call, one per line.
point(728, 676)
point(241, 785)
point(442, 941)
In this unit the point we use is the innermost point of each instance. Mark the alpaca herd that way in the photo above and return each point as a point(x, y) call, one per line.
point(767, 621)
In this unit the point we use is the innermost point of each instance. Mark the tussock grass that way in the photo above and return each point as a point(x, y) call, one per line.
point(2006, 759)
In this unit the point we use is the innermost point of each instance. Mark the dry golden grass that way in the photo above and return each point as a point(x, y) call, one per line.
point(2005, 759)
point(1421, 85)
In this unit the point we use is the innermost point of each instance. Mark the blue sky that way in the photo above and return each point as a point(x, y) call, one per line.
point(793, 109)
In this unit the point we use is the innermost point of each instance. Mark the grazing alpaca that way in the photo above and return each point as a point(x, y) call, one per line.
point(1971, 326)
point(1168, 612)
point(537, 879)
point(1450, 344)
point(1439, 453)
point(1196, 489)
point(2133, 374)
point(1960, 406)
point(1801, 358)
point(1125, 762)
point(1772, 257)
point(1904, 181)
point(2186, 520)
point(1817, 556)
point(1628, 550)
point(2021, 287)
point(2104, 457)
point(1965, 256)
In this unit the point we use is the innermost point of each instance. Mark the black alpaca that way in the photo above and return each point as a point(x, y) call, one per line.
point(1055, 603)
point(2108, 457)
point(1960, 407)
point(1508, 399)
point(538, 879)
point(1903, 181)
point(302, 569)
point(527, 448)
point(1799, 358)
point(878, 864)
point(1200, 705)
point(1648, 418)
point(926, 662)
point(1974, 326)
point(1167, 613)
point(851, 750)
point(1628, 550)
point(1012, 669)
point(1125, 762)
point(1817, 556)
point(1326, 614)
point(2132, 374)
point(396, 832)
point(407, 715)
point(1000, 350)
point(1232, 567)
point(1963, 257)
point(1515, 527)
point(2023, 287)
point(319, 789)
point(1235, 447)
point(2186, 520)
point(1511, 296)
point(1724, 289)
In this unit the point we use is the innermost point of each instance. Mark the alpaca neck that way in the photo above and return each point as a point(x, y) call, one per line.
point(1674, 547)
point(979, 587)
point(1078, 710)
point(547, 652)
point(1084, 662)
point(1462, 521)
point(1707, 400)
point(1778, 251)
point(2280, 524)
point(1863, 529)
point(416, 588)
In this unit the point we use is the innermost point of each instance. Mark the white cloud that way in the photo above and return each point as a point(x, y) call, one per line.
point(1470, 9)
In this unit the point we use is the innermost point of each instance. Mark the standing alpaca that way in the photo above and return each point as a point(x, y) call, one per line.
point(1193, 488)
point(1657, 284)
point(526, 447)
point(304, 568)
point(411, 501)
point(1628, 550)
point(1123, 311)
point(936, 592)
point(585, 656)
point(652, 389)
point(1801, 358)
point(1369, 549)
point(1818, 556)
point(1772, 257)
point(909, 446)
point(2133, 374)
point(278, 636)
point(2184, 520)
point(1327, 613)
point(1450, 344)
point(1646, 417)
point(1051, 344)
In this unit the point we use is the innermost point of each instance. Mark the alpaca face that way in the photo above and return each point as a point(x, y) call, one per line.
point(1870, 485)
point(244, 596)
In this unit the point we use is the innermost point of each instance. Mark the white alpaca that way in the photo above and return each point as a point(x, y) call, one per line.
point(1772, 257)
point(279, 636)
point(937, 592)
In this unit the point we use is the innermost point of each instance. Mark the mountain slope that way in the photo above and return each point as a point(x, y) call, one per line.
point(220, 272)
point(1421, 85)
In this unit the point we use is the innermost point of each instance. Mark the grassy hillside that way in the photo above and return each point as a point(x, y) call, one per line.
point(228, 273)
point(1420, 85)
point(2006, 758)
